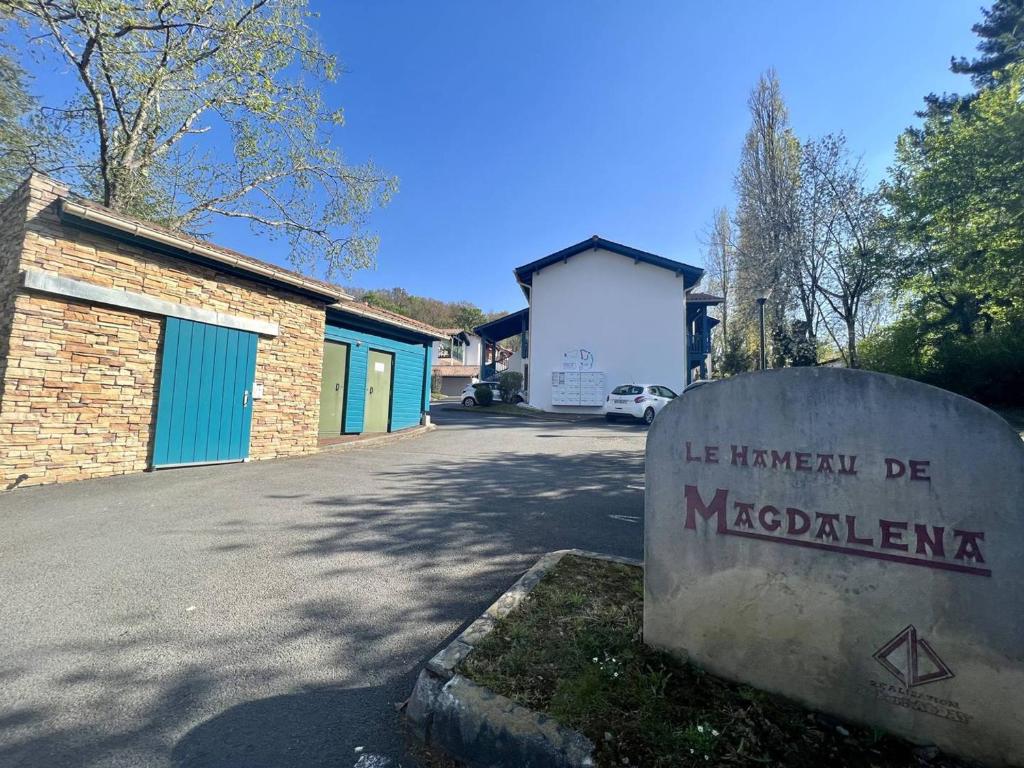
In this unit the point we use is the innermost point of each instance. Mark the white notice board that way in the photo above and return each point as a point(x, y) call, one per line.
point(578, 387)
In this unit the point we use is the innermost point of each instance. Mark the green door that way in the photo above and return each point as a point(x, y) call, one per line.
point(332, 389)
point(378, 391)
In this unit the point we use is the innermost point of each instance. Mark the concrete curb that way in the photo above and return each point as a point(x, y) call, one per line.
point(477, 726)
point(383, 439)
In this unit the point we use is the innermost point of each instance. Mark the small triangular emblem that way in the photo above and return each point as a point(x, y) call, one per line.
point(911, 660)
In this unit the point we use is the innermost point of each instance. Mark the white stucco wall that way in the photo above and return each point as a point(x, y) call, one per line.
point(630, 316)
point(473, 350)
point(515, 363)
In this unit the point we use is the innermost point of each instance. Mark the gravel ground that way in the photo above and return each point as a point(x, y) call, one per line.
point(274, 613)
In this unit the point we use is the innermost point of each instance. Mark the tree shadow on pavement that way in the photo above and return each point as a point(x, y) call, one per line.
point(309, 728)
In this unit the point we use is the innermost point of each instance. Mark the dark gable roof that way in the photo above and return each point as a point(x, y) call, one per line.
point(504, 327)
point(691, 275)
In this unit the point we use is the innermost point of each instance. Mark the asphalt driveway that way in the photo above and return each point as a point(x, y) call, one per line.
point(273, 613)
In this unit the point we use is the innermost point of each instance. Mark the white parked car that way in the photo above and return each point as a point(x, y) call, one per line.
point(469, 399)
point(639, 401)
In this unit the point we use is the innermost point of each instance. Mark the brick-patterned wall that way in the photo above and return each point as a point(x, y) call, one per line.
point(80, 387)
point(12, 233)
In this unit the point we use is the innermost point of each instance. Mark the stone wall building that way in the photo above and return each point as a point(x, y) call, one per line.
point(88, 299)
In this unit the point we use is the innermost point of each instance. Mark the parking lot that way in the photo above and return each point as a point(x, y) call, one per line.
point(274, 613)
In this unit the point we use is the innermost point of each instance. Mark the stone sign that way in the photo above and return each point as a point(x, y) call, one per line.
point(851, 540)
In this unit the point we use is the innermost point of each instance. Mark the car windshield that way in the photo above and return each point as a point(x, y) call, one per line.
point(628, 389)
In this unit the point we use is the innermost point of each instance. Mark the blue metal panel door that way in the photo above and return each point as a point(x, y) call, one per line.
point(204, 408)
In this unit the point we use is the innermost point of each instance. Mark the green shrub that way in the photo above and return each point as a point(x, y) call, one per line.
point(509, 384)
point(483, 395)
point(988, 367)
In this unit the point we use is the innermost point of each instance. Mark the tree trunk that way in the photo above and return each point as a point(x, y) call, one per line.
point(851, 342)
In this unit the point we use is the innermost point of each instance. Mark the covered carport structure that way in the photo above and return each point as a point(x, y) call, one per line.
point(491, 334)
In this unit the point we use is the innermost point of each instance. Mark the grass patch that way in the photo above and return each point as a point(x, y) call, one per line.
point(573, 649)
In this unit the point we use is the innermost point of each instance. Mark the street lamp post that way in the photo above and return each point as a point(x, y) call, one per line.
point(763, 361)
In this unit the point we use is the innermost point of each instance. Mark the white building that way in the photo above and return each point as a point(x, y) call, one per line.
point(463, 358)
point(602, 314)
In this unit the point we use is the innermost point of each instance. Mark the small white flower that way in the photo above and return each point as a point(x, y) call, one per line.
point(706, 757)
point(700, 729)
point(616, 674)
point(714, 732)
point(691, 750)
point(595, 659)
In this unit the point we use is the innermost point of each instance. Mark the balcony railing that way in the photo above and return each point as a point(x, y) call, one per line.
point(699, 345)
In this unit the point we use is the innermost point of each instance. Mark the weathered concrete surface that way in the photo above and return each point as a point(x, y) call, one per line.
point(272, 614)
point(484, 729)
point(897, 602)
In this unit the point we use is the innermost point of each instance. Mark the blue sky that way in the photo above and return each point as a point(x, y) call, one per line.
point(517, 129)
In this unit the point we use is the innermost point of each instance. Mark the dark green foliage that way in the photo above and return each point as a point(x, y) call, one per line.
point(793, 346)
point(1002, 43)
point(986, 367)
point(483, 396)
point(734, 358)
point(509, 384)
point(440, 314)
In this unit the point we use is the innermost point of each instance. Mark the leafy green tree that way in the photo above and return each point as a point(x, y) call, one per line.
point(159, 79)
point(467, 316)
point(720, 264)
point(16, 139)
point(854, 251)
point(957, 193)
point(1002, 43)
point(27, 141)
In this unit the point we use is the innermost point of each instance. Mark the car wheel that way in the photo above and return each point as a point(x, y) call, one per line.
point(518, 400)
point(610, 417)
point(469, 402)
point(649, 416)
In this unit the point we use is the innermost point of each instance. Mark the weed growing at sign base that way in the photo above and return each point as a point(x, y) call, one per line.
point(574, 650)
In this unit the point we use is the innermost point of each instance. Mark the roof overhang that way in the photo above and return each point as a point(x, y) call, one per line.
point(690, 275)
point(127, 229)
point(505, 327)
point(700, 303)
point(364, 318)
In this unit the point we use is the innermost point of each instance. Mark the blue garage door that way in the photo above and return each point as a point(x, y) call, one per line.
point(204, 409)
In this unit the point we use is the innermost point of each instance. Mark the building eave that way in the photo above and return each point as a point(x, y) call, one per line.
point(98, 219)
point(691, 275)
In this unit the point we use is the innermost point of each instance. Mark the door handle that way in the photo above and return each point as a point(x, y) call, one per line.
point(245, 398)
point(371, 390)
point(337, 387)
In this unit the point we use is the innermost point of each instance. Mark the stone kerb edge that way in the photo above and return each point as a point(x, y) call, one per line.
point(477, 725)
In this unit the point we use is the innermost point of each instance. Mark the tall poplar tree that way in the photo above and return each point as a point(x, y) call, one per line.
point(767, 184)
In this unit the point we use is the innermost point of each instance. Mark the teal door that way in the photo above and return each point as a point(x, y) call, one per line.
point(204, 407)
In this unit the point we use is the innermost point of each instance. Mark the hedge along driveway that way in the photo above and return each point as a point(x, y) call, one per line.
point(272, 613)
